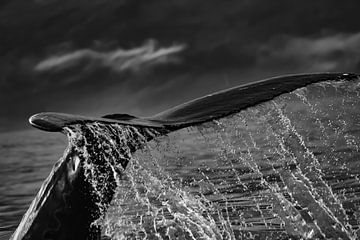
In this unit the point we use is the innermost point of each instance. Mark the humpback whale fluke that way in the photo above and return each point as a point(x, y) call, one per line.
point(68, 203)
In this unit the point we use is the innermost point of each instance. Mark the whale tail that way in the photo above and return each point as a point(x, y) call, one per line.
point(66, 206)
point(197, 111)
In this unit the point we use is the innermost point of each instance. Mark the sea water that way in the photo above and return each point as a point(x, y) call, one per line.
point(26, 159)
point(285, 169)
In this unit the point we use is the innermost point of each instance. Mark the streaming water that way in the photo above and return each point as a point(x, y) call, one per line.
point(288, 168)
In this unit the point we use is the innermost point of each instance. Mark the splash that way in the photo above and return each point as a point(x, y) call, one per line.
point(79, 189)
point(288, 168)
point(104, 152)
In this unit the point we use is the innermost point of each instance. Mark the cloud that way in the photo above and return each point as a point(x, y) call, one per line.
point(339, 52)
point(118, 60)
point(240, 39)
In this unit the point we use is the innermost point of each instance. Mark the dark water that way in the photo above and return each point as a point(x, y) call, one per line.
point(26, 159)
point(289, 168)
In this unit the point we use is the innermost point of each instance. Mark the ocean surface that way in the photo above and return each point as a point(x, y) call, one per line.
point(26, 160)
point(285, 169)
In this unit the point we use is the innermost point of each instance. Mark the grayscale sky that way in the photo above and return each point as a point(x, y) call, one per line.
point(140, 57)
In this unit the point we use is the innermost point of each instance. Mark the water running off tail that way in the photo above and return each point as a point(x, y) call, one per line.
point(82, 184)
point(286, 168)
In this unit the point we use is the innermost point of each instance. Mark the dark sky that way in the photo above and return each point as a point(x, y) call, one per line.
point(95, 57)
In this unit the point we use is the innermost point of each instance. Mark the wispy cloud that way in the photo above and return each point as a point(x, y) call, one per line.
point(340, 52)
point(118, 60)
